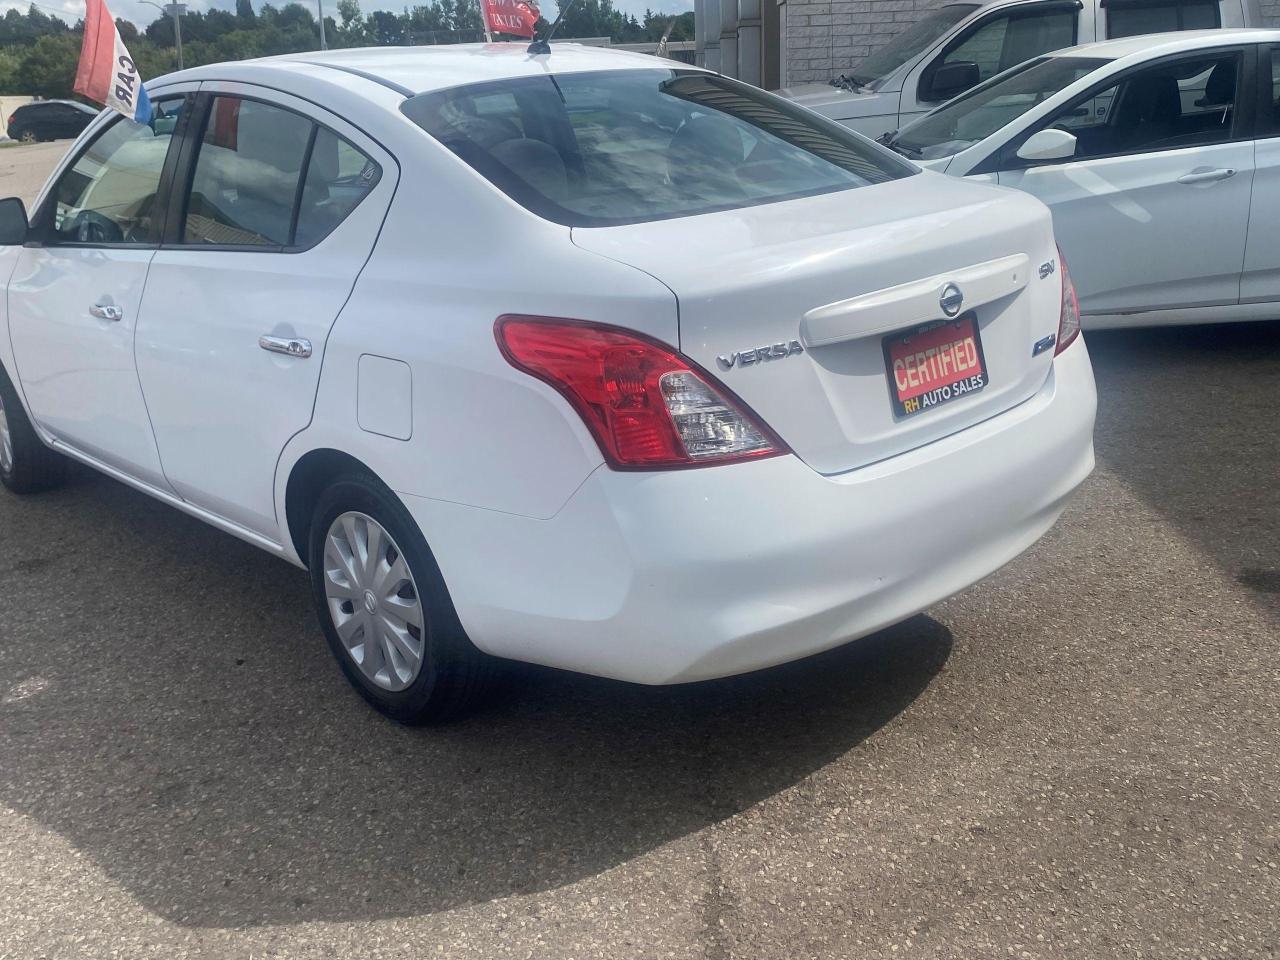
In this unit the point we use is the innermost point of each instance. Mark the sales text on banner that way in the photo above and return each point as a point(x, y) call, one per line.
point(511, 17)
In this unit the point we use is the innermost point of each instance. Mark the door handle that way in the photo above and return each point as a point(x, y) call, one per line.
point(107, 311)
point(289, 346)
point(1207, 176)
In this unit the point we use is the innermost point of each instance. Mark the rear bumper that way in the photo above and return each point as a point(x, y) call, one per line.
point(687, 575)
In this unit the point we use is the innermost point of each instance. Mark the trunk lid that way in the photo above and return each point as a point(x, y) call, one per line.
point(840, 273)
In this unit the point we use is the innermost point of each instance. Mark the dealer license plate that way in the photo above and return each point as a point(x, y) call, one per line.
point(933, 364)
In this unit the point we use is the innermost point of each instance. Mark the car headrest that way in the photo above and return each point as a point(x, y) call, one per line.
point(1220, 88)
point(535, 162)
point(1152, 97)
point(706, 150)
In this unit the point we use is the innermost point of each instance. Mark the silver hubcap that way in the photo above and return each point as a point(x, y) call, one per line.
point(373, 601)
point(6, 441)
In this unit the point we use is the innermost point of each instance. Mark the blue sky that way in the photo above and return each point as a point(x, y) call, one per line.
point(141, 13)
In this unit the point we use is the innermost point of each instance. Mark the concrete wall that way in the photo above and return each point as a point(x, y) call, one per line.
point(824, 38)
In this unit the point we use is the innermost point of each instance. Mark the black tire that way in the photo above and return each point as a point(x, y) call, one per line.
point(34, 466)
point(454, 676)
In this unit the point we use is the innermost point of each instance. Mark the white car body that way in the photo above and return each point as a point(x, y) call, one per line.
point(549, 554)
point(1162, 236)
point(892, 100)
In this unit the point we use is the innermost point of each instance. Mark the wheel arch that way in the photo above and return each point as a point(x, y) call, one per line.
point(308, 478)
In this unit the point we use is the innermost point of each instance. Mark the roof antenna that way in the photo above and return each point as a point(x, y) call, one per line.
point(543, 44)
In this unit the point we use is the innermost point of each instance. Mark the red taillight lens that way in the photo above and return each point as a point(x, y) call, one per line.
point(647, 406)
point(1069, 319)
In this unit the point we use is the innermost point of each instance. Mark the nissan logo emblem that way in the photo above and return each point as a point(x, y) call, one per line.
point(951, 300)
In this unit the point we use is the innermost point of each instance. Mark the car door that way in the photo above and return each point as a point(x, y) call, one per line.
point(1260, 281)
point(283, 203)
point(994, 43)
point(76, 291)
point(1153, 209)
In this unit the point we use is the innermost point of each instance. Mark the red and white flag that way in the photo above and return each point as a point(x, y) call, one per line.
point(107, 74)
point(514, 17)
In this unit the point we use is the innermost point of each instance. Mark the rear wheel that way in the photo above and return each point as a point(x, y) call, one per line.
point(28, 136)
point(385, 609)
point(26, 464)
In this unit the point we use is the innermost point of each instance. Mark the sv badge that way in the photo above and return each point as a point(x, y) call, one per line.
point(773, 351)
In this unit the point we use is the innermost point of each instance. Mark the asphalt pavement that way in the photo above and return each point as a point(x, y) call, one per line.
point(1077, 758)
point(25, 167)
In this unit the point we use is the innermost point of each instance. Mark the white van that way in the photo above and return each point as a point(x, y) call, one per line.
point(959, 45)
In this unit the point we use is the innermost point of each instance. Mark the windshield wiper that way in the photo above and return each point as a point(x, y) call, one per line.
point(887, 139)
point(849, 82)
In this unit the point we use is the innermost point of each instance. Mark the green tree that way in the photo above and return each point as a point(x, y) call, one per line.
point(48, 69)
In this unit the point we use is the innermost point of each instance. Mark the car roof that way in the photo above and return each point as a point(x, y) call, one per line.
point(413, 70)
point(1170, 42)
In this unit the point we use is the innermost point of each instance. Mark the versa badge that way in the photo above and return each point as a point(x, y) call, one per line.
point(745, 358)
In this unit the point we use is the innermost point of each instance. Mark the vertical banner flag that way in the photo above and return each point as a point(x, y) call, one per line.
point(514, 17)
point(107, 74)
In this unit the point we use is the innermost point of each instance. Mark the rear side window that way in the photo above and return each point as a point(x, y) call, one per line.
point(268, 177)
point(1132, 18)
point(247, 174)
point(604, 148)
point(338, 178)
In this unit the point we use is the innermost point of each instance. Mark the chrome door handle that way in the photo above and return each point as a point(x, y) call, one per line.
point(107, 311)
point(1206, 176)
point(289, 346)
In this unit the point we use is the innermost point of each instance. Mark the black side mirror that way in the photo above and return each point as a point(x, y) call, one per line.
point(952, 79)
point(13, 222)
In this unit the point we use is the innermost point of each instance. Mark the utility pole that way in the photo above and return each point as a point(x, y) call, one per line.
point(320, 7)
point(176, 10)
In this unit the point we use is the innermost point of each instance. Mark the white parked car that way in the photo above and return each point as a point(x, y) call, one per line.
point(959, 45)
point(1159, 157)
point(577, 359)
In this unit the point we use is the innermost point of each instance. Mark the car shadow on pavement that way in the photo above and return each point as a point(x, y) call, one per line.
point(169, 707)
point(1188, 418)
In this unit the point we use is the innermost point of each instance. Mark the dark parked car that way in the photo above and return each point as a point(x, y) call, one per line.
point(49, 120)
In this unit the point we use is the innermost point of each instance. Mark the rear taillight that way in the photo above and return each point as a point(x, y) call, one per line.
point(647, 406)
point(1069, 318)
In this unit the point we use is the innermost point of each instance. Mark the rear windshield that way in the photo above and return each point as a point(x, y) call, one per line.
point(605, 148)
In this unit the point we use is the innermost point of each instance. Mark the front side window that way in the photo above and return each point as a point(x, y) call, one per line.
point(1133, 18)
point(109, 194)
point(871, 70)
point(982, 111)
point(1006, 40)
point(1183, 103)
point(268, 177)
point(597, 149)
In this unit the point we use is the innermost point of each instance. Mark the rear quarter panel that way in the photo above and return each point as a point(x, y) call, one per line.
point(453, 256)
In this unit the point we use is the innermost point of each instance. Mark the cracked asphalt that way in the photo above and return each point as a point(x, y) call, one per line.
point(1077, 758)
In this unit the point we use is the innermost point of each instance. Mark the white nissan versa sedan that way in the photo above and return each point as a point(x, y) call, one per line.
point(580, 359)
